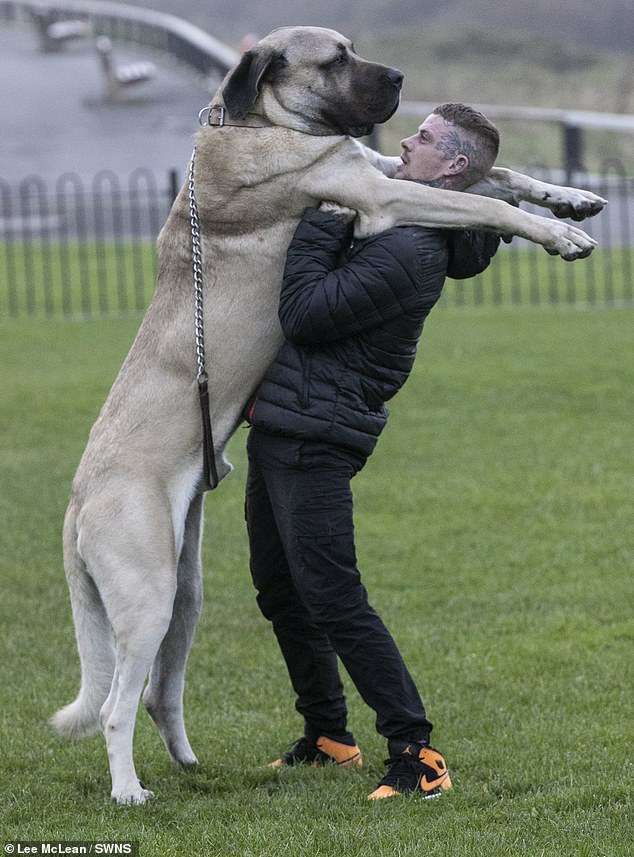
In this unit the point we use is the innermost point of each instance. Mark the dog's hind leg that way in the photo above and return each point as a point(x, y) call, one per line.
point(132, 560)
point(139, 631)
point(163, 697)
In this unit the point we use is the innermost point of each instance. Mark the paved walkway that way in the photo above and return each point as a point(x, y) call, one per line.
point(53, 117)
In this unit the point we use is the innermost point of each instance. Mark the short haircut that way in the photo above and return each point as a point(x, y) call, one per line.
point(483, 143)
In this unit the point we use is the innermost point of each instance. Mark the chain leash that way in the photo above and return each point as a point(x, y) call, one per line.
point(209, 458)
point(197, 271)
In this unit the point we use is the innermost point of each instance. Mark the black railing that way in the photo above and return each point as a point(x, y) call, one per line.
point(77, 249)
point(88, 249)
point(522, 274)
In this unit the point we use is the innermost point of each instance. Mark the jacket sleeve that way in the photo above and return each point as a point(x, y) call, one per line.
point(470, 252)
point(323, 299)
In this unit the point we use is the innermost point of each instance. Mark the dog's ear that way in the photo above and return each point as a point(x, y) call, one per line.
point(243, 85)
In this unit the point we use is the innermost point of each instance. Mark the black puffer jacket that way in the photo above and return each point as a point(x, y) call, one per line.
point(352, 324)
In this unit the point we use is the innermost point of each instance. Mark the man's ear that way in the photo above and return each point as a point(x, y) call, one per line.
point(458, 165)
point(242, 88)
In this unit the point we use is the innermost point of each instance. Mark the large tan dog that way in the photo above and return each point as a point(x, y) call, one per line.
point(133, 527)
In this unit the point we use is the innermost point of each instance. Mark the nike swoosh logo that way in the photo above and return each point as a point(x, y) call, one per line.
point(428, 786)
point(349, 759)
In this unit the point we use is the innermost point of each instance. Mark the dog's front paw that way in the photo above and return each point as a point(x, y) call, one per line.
point(575, 204)
point(347, 215)
point(570, 242)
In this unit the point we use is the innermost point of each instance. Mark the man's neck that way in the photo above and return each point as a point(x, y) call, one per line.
point(444, 183)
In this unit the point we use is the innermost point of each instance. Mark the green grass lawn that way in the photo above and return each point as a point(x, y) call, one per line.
point(494, 528)
point(76, 278)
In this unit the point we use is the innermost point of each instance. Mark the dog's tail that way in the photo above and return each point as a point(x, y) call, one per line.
point(94, 643)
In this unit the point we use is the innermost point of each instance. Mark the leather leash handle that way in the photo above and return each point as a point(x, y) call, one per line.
point(209, 459)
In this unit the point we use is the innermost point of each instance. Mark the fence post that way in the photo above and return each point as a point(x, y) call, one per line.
point(573, 150)
point(373, 140)
point(173, 184)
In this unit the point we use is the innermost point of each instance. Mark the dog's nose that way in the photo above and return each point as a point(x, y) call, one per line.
point(395, 76)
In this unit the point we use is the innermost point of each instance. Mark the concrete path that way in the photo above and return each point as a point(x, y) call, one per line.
point(54, 118)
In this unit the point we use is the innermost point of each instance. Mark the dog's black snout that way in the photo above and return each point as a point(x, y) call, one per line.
point(395, 76)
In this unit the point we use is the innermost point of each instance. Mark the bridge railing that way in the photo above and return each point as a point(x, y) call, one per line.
point(185, 42)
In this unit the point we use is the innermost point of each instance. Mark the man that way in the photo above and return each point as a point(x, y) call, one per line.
point(453, 148)
point(352, 315)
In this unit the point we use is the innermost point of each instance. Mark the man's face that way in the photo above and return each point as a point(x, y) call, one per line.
point(429, 154)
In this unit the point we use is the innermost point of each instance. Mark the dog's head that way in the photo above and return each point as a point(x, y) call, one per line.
point(311, 79)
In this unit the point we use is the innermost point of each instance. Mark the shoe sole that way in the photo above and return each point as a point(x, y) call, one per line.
point(384, 792)
point(333, 753)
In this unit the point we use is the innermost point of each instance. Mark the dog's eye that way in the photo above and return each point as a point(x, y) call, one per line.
point(340, 59)
point(279, 62)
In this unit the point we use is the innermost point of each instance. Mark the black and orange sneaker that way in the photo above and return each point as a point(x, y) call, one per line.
point(321, 751)
point(419, 769)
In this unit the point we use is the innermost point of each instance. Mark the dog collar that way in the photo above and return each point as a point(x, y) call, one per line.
point(216, 116)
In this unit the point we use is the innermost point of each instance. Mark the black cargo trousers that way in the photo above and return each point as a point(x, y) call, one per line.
point(303, 562)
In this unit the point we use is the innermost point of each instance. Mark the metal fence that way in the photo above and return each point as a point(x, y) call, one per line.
point(80, 248)
point(87, 249)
